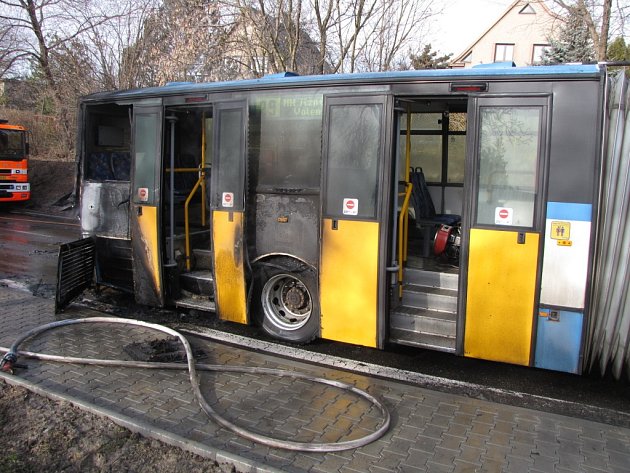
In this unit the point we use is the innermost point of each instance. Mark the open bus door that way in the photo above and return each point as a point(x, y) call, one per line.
point(357, 149)
point(145, 204)
point(228, 210)
point(505, 220)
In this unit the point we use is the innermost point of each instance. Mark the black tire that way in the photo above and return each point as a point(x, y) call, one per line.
point(286, 300)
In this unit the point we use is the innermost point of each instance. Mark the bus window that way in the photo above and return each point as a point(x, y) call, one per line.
point(508, 154)
point(107, 141)
point(456, 148)
point(426, 144)
point(147, 132)
point(431, 151)
point(354, 140)
point(285, 141)
point(229, 143)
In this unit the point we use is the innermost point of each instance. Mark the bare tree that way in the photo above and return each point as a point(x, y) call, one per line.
point(264, 36)
point(599, 16)
point(179, 41)
point(399, 24)
point(53, 35)
point(10, 53)
point(358, 35)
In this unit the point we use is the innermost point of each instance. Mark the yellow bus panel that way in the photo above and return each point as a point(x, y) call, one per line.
point(148, 226)
point(500, 296)
point(227, 240)
point(349, 282)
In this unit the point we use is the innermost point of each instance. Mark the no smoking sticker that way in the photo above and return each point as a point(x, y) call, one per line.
point(227, 199)
point(351, 206)
point(503, 216)
point(143, 194)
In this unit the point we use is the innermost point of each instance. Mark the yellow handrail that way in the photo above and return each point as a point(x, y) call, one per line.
point(200, 182)
point(403, 218)
point(183, 169)
point(186, 224)
point(403, 229)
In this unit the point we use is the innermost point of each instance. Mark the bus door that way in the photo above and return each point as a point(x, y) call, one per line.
point(227, 201)
point(357, 151)
point(505, 220)
point(145, 204)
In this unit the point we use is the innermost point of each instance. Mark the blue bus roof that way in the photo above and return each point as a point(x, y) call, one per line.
point(489, 71)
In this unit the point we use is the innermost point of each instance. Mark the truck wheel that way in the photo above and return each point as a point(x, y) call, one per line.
point(287, 302)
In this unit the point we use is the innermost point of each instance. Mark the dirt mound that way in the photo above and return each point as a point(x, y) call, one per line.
point(51, 183)
point(45, 435)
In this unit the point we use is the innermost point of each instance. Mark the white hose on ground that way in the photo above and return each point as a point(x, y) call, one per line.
point(13, 352)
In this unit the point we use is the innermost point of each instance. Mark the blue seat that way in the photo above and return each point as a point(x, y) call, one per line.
point(427, 220)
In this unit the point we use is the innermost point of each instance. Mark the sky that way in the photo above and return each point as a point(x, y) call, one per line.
point(462, 22)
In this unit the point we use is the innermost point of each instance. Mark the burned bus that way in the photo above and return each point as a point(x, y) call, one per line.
point(456, 210)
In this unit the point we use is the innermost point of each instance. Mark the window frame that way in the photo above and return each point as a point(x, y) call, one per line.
point(506, 47)
point(543, 48)
point(542, 101)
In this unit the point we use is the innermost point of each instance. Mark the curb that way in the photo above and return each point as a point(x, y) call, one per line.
point(52, 216)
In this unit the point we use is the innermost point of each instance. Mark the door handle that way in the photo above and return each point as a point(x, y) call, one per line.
point(520, 239)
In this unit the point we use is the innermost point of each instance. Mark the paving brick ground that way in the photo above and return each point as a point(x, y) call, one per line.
point(431, 431)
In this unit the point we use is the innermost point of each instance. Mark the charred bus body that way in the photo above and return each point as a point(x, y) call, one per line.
point(454, 210)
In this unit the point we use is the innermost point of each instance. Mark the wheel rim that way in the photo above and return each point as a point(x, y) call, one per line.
point(287, 302)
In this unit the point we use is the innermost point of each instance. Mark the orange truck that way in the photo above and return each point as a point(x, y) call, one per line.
point(14, 150)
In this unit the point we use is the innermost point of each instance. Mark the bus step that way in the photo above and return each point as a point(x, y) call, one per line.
point(434, 322)
point(427, 278)
point(433, 298)
point(203, 259)
point(423, 340)
point(198, 282)
point(198, 303)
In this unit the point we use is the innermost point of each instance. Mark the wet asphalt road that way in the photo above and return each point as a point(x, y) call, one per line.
point(29, 246)
point(28, 258)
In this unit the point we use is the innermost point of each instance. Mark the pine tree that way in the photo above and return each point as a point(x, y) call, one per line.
point(428, 59)
point(573, 44)
point(618, 50)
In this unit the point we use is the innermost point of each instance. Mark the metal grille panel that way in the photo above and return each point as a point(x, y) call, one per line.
point(75, 270)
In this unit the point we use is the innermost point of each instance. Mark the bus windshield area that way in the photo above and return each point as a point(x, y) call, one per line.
point(12, 144)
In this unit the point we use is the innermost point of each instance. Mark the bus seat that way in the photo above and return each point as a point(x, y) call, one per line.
point(99, 167)
point(427, 220)
point(121, 165)
point(108, 166)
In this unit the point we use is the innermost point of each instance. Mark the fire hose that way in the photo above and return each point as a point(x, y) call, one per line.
point(9, 361)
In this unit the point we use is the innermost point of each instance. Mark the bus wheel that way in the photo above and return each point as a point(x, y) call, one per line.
point(287, 303)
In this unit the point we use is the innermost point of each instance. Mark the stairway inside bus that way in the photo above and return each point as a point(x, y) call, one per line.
point(187, 162)
point(432, 144)
point(427, 314)
point(197, 286)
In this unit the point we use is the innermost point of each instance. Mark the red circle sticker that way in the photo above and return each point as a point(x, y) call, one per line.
point(503, 213)
point(228, 197)
point(350, 204)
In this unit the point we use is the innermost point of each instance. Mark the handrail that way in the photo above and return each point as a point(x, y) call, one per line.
point(403, 228)
point(183, 170)
point(201, 181)
point(202, 178)
point(403, 218)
